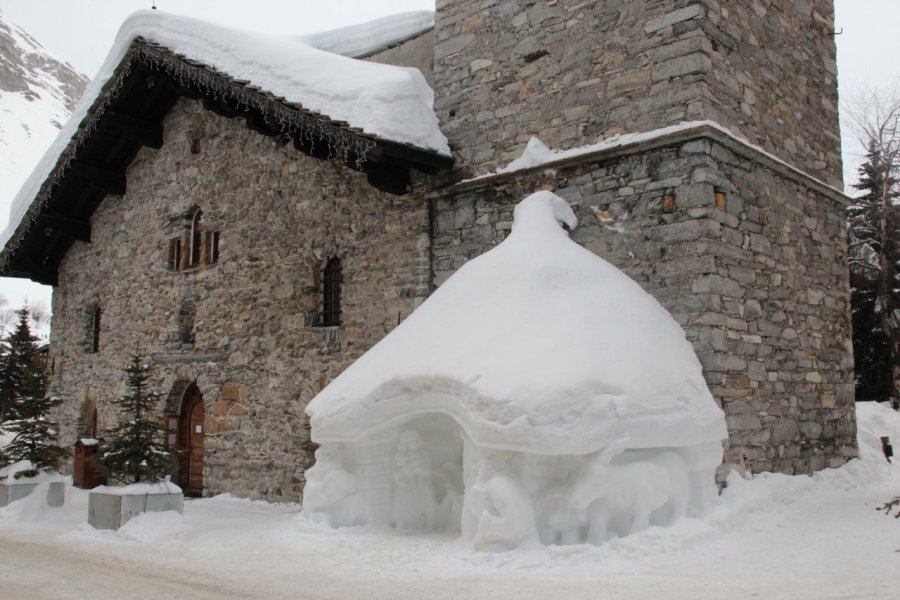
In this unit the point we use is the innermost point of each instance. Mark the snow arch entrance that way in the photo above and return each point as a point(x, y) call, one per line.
point(408, 476)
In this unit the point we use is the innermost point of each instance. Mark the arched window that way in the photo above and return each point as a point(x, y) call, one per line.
point(331, 288)
point(196, 238)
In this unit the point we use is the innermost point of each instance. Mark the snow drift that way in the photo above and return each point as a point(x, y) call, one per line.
point(539, 394)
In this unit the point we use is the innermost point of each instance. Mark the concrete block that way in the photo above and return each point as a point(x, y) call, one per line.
point(10, 491)
point(111, 511)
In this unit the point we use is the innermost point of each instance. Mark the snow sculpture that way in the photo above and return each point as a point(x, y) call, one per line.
point(331, 491)
point(414, 502)
point(538, 396)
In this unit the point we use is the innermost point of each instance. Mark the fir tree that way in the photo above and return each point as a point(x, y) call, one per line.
point(874, 248)
point(35, 439)
point(18, 354)
point(876, 178)
point(26, 378)
point(135, 450)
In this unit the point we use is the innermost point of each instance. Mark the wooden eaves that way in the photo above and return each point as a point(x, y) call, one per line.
point(128, 115)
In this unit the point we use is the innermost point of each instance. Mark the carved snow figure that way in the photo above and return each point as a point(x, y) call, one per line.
point(542, 385)
point(414, 501)
point(331, 491)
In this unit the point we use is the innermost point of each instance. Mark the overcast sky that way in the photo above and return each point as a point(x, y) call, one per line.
point(81, 32)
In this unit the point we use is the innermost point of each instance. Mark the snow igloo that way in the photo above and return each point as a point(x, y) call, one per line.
point(538, 396)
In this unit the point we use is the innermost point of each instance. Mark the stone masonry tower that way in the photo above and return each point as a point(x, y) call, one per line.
point(734, 223)
point(570, 72)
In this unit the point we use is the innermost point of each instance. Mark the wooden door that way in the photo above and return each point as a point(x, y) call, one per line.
point(191, 443)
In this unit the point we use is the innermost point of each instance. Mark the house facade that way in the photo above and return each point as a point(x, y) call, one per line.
point(251, 248)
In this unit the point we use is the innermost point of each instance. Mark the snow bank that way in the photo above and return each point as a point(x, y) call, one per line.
point(8, 473)
point(139, 489)
point(813, 538)
point(388, 102)
point(539, 395)
point(369, 38)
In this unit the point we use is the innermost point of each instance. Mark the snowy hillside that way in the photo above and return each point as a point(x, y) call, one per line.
point(37, 95)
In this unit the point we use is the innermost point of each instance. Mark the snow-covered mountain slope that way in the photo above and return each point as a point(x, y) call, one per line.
point(37, 94)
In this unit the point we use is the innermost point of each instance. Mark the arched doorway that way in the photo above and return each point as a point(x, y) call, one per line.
point(190, 442)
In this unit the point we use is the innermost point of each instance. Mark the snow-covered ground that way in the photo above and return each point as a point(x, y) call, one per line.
point(770, 537)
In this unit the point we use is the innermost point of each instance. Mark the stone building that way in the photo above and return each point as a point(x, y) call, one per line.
point(252, 246)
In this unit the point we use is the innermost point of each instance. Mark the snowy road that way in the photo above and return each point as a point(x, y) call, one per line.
point(26, 566)
point(822, 546)
point(773, 537)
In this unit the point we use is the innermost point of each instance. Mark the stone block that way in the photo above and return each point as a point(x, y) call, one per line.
point(721, 362)
point(679, 67)
point(676, 16)
point(743, 422)
point(231, 392)
point(785, 431)
point(628, 82)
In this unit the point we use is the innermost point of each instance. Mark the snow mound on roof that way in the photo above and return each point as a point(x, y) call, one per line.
point(394, 103)
point(368, 38)
point(538, 346)
point(388, 102)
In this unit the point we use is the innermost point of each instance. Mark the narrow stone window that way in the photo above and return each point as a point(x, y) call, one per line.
point(186, 323)
point(95, 329)
point(174, 260)
point(721, 200)
point(196, 238)
point(212, 247)
point(331, 288)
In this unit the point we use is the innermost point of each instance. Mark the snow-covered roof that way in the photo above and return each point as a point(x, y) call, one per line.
point(538, 345)
point(389, 103)
point(537, 154)
point(369, 38)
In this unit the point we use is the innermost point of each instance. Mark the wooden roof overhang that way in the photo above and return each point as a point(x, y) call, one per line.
point(128, 115)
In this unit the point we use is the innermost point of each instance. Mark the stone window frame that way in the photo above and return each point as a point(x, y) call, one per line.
point(187, 315)
point(195, 242)
point(197, 246)
point(332, 288)
point(92, 329)
point(174, 255)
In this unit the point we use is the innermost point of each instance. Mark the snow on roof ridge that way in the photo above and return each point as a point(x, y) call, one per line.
point(385, 101)
point(371, 37)
point(537, 154)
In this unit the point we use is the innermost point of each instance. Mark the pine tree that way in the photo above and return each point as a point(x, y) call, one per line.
point(17, 356)
point(874, 248)
point(135, 451)
point(25, 387)
point(36, 436)
point(876, 178)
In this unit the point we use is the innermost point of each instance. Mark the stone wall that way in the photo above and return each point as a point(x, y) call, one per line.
point(774, 79)
point(417, 52)
point(572, 72)
point(257, 356)
point(747, 255)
